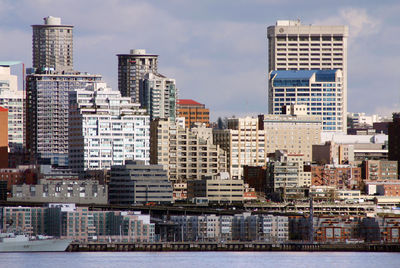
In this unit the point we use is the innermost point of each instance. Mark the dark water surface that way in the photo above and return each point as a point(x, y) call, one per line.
point(201, 259)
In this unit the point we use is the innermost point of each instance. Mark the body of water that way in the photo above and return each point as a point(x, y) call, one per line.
point(201, 259)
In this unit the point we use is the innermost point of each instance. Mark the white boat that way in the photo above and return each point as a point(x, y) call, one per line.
point(10, 242)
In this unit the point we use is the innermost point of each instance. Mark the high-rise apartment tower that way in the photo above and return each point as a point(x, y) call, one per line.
point(52, 45)
point(133, 67)
point(293, 46)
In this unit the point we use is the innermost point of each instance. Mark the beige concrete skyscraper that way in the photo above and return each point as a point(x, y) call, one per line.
point(293, 46)
point(52, 45)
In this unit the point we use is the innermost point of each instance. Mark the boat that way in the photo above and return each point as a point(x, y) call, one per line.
point(11, 242)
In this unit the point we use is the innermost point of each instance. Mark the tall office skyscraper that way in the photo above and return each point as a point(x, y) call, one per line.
point(293, 46)
point(133, 67)
point(52, 45)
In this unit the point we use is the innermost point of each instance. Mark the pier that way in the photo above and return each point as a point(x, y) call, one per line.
point(229, 246)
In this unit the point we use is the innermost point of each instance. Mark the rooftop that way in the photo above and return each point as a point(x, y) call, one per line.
point(9, 63)
point(302, 74)
point(187, 102)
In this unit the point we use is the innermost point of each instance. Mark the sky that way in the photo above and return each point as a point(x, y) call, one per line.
point(216, 50)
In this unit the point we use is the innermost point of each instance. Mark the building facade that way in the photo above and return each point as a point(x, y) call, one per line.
point(217, 188)
point(67, 221)
point(105, 129)
point(379, 170)
point(137, 183)
point(342, 177)
point(239, 227)
point(13, 100)
point(132, 68)
point(61, 191)
point(193, 112)
point(47, 119)
point(388, 188)
point(394, 139)
point(332, 153)
point(185, 153)
point(158, 95)
point(4, 138)
point(321, 91)
point(244, 143)
point(293, 46)
point(52, 45)
point(294, 133)
point(286, 178)
point(248, 141)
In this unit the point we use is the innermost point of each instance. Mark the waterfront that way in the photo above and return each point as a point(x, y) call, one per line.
point(201, 259)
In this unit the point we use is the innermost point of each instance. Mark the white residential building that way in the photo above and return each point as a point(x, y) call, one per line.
point(361, 119)
point(12, 99)
point(106, 129)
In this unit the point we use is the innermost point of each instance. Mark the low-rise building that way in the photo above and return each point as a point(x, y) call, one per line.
point(137, 183)
point(332, 153)
point(343, 177)
point(256, 177)
point(379, 170)
point(217, 188)
point(240, 227)
point(61, 191)
point(389, 188)
point(79, 223)
point(28, 220)
point(326, 229)
point(381, 229)
point(180, 191)
point(287, 179)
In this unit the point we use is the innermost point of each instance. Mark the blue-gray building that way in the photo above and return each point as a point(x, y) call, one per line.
point(321, 90)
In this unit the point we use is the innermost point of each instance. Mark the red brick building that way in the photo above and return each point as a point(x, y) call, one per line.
point(193, 112)
point(342, 177)
point(335, 229)
point(17, 176)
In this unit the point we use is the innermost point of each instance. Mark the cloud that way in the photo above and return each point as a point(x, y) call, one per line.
point(360, 23)
point(216, 50)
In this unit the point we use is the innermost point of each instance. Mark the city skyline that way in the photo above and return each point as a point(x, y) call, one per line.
point(214, 47)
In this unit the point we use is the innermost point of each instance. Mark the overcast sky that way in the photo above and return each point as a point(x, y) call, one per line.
point(216, 50)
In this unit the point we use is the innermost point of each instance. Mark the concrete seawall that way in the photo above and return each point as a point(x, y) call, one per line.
point(231, 246)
